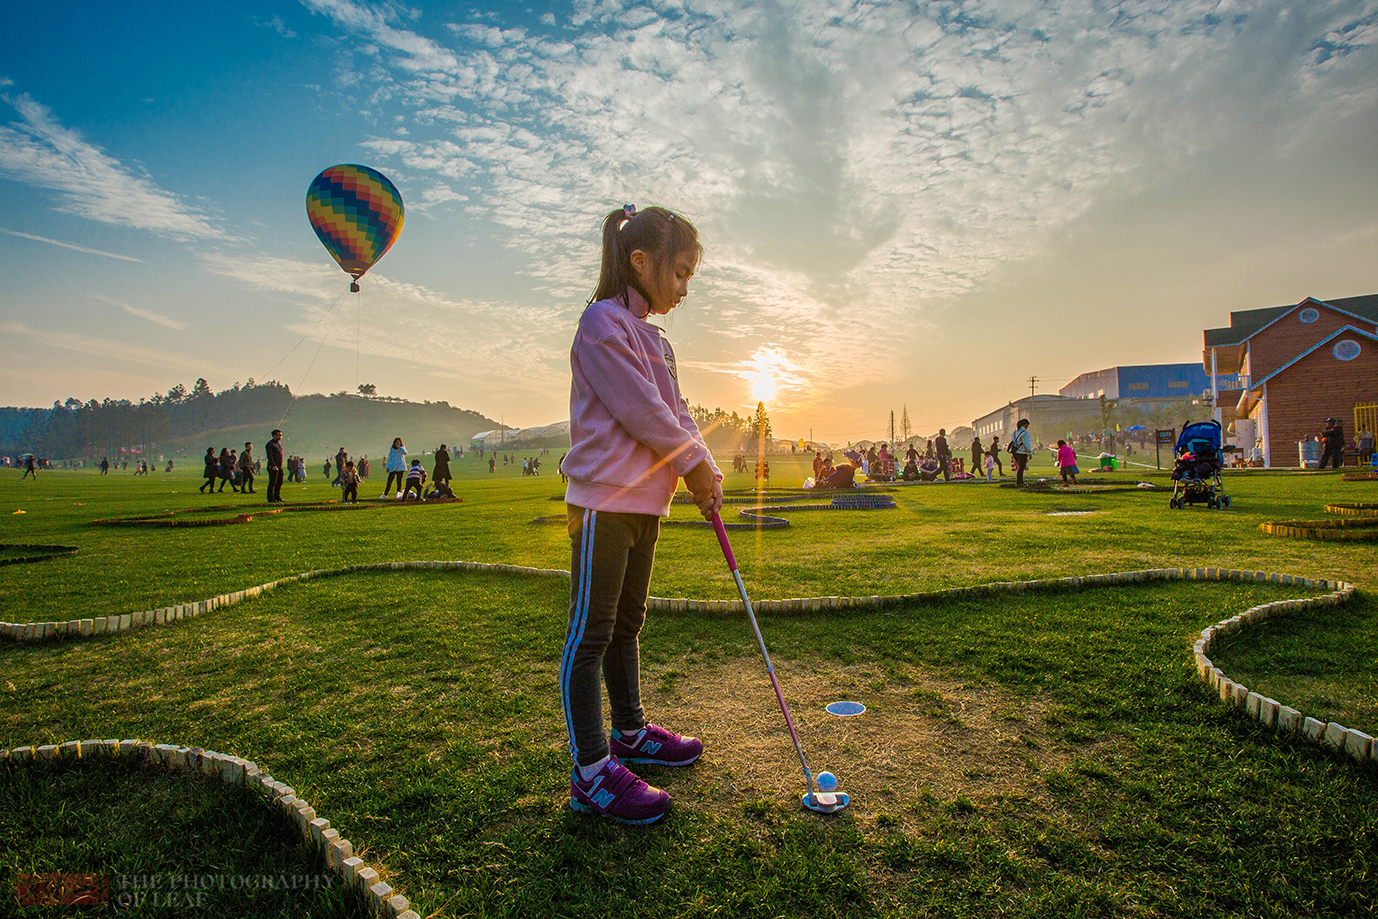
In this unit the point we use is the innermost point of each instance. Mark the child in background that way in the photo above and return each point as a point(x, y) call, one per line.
point(416, 477)
point(1067, 461)
point(990, 467)
point(349, 484)
point(632, 439)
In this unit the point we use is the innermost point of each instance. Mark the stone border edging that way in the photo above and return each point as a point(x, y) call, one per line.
point(247, 512)
point(1269, 711)
point(1362, 529)
point(85, 628)
point(233, 770)
point(48, 552)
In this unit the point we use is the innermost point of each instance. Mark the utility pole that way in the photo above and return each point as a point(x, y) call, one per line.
point(1033, 381)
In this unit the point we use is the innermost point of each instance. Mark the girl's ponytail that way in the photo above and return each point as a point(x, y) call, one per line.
point(659, 233)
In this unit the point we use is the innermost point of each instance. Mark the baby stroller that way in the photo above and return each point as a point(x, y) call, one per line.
point(1196, 474)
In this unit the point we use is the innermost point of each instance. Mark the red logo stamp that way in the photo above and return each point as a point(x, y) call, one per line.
point(62, 889)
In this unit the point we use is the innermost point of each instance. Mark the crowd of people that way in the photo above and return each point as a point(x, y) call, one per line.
point(879, 464)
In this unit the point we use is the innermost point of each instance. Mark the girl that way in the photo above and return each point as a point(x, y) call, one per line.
point(397, 467)
point(631, 441)
point(1067, 461)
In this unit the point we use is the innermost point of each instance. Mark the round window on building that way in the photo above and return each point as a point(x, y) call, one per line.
point(1309, 315)
point(1346, 349)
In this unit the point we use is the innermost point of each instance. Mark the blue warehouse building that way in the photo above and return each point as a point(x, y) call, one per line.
point(1145, 382)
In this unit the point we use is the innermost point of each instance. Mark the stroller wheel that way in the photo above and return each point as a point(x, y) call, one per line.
point(1225, 501)
point(1173, 503)
point(1212, 503)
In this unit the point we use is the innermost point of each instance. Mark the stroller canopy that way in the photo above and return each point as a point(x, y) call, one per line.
point(1199, 437)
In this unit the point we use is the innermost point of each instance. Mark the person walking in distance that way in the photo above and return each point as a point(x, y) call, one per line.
point(631, 441)
point(994, 453)
point(246, 469)
point(441, 472)
point(944, 454)
point(1334, 439)
point(275, 462)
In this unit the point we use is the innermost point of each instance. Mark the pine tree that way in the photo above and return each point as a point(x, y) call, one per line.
point(906, 431)
point(760, 426)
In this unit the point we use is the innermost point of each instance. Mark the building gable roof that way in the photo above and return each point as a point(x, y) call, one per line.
point(1320, 344)
point(1248, 323)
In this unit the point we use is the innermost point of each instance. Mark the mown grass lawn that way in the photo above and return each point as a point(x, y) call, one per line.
point(1049, 753)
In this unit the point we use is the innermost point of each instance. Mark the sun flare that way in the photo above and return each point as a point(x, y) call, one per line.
point(769, 374)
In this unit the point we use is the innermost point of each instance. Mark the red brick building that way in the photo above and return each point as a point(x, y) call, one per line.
point(1297, 366)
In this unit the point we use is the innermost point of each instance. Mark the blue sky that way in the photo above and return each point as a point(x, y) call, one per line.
point(902, 204)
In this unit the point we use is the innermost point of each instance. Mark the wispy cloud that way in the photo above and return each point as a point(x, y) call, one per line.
point(108, 350)
point(852, 166)
point(39, 151)
point(149, 315)
point(74, 248)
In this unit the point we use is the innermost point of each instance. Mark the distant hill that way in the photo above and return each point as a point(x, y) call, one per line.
point(183, 423)
point(316, 426)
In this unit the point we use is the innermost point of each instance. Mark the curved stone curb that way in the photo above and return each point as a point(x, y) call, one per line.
point(248, 512)
point(338, 852)
point(1353, 509)
point(1271, 712)
point(1362, 529)
point(85, 628)
point(47, 552)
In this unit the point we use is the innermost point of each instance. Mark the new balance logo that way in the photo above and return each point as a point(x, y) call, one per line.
point(652, 747)
point(603, 798)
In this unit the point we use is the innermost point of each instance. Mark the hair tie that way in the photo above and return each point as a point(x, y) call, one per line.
point(629, 210)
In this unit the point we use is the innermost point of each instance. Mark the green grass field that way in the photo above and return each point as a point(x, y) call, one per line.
point(1042, 754)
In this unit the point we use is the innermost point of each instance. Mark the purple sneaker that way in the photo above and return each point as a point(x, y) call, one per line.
point(614, 791)
point(655, 746)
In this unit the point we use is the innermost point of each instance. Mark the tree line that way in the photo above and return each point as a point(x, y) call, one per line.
point(74, 429)
point(730, 433)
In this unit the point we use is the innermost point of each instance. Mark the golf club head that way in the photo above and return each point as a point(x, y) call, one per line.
point(826, 802)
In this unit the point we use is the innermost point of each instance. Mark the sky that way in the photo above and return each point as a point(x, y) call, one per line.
point(904, 206)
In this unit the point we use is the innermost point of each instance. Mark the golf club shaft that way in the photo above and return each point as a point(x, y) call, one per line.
point(760, 640)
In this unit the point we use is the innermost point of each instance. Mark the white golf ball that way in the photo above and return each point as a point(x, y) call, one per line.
point(826, 782)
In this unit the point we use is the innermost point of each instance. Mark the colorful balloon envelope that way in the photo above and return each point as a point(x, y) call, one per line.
point(357, 213)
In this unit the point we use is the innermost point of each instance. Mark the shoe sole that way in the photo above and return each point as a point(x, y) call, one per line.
point(652, 761)
point(645, 821)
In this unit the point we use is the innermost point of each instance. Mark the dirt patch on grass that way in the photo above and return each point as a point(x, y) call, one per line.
point(921, 738)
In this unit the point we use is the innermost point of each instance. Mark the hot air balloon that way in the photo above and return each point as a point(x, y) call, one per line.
point(357, 213)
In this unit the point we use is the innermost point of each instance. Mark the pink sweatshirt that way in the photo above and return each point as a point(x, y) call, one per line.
point(631, 436)
point(1066, 456)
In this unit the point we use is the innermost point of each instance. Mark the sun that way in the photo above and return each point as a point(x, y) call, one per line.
point(768, 372)
point(763, 386)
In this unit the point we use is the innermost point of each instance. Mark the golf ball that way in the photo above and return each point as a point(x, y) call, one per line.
point(826, 782)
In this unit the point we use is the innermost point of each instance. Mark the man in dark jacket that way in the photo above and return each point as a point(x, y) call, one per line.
point(246, 469)
point(441, 473)
point(944, 454)
point(274, 454)
point(212, 471)
point(1334, 438)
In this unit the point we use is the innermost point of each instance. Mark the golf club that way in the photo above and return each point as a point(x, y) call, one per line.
point(823, 802)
